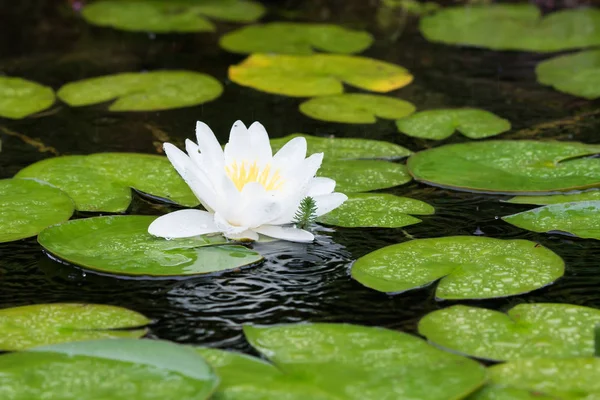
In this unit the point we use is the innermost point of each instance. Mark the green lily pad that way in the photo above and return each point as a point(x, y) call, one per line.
point(513, 27)
point(346, 148)
point(121, 245)
point(543, 379)
point(317, 74)
point(164, 16)
point(509, 166)
point(356, 108)
point(356, 362)
point(295, 38)
point(103, 181)
point(364, 175)
point(45, 324)
point(27, 207)
point(20, 98)
point(467, 267)
point(525, 331)
point(143, 91)
point(577, 74)
point(581, 218)
point(380, 210)
point(441, 124)
point(117, 369)
point(249, 378)
point(556, 198)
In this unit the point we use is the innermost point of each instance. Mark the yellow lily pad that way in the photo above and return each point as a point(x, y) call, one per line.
point(317, 74)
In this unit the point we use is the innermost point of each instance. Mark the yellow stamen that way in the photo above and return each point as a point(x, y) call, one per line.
point(245, 172)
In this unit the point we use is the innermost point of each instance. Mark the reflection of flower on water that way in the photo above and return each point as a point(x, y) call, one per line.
point(245, 189)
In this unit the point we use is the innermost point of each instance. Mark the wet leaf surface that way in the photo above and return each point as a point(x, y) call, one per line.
point(525, 331)
point(364, 175)
point(557, 198)
point(121, 245)
point(27, 207)
point(577, 74)
point(44, 324)
point(467, 267)
point(20, 98)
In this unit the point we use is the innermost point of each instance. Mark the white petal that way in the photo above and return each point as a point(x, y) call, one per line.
point(246, 235)
point(178, 158)
point(291, 154)
point(183, 224)
point(194, 153)
point(239, 143)
point(285, 233)
point(207, 142)
point(228, 229)
point(257, 207)
point(329, 202)
point(261, 147)
point(202, 189)
point(320, 186)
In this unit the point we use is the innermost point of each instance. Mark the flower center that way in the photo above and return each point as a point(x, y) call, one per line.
point(244, 172)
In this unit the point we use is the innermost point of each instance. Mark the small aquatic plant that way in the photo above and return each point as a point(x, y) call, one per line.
point(245, 189)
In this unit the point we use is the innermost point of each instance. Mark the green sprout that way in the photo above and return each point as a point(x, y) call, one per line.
point(306, 214)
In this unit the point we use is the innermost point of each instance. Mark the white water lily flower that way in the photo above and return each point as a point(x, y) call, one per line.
point(245, 189)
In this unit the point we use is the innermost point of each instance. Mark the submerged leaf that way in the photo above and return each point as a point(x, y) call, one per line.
point(441, 124)
point(525, 331)
point(317, 75)
point(143, 91)
point(116, 369)
point(43, 324)
point(467, 267)
point(577, 74)
point(27, 207)
point(509, 166)
point(20, 98)
point(581, 218)
point(162, 16)
point(380, 210)
point(103, 181)
point(121, 245)
point(295, 38)
point(514, 27)
point(356, 108)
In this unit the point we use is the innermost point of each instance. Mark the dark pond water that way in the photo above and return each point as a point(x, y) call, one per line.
point(46, 41)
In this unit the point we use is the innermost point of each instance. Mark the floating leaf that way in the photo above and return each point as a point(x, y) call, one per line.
point(116, 369)
point(376, 210)
point(346, 148)
point(20, 98)
point(543, 379)
point(580, 219)
point(525, 331)
point(103, 181)
point(513, 27)
point(441, 124)
point(143, 91)
point(295, 38)
point(577, 74)
point(121, 245)
point(245, 378)
point(44, 324)
point(365, 363)
point(168, 15)
point(27, 207)
point(356, 108)
point(509, 166)
point(364, 175)
point(556, 198)
point(317, 75)
point(468, 267)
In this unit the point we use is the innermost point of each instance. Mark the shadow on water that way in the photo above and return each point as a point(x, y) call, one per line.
point(297, 283)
